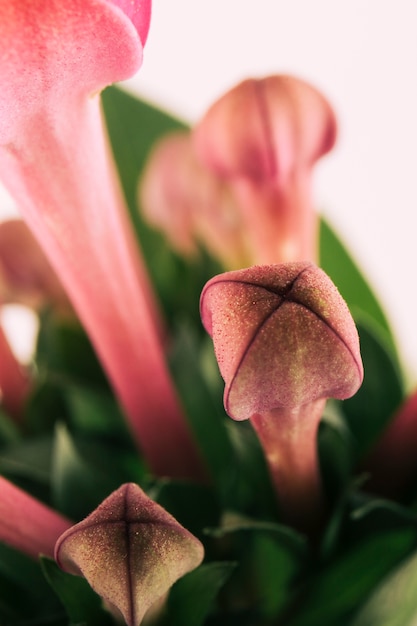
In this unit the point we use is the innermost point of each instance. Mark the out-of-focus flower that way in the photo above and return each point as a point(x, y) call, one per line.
point(26, 524)
point(130, 550)
point(263, 137)
point(191, 205)
point(285, 342)
point(54, 159)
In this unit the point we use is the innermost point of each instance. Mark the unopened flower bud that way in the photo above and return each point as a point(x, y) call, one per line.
point(285, 342)
point(130, 550)
point(283, 337)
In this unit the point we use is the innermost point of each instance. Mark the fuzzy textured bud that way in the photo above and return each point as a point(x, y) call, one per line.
point(283, 336)
point(130, 550)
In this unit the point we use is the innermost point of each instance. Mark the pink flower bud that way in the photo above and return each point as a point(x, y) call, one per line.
point(283, 337)
point(285, 342)
point(130, 550)
point(264, 137)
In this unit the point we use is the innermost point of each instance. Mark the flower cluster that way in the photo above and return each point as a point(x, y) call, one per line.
point(126, 494)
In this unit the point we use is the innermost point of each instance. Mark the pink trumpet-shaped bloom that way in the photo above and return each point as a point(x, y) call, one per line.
point(264, 137)
point(54, 158)
point(130, 550)
point(26, 524)
point(285, 342)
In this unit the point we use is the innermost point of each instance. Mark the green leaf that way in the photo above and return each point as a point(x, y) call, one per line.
point(382, 391)
point(82, 604)
point(45, 406)
point(269, 560)
point(335, 591)
point(82, 476)
point(338, 264)
point(335, 451)
point(252, 492)
point(192, 597)
point(9, 432)
point(394, 602)
point(134, 126)
point(27, 464)
point(193, 506)
point(234, 524)
point(64, 350)
point(24, 592)
point(205, 412)
point(96, 414)
point(275, 569)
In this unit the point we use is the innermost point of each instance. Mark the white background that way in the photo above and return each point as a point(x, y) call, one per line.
point(363, 55)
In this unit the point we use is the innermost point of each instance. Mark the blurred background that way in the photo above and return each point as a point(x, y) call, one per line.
point(362, 55)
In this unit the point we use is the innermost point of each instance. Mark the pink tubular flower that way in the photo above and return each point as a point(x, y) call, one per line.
point(285, 342)
point(26, 524)
point(264, 137)
point(54, 158)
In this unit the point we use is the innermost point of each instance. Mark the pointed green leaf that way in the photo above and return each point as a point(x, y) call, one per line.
point(338, 264)
point(394, 602)
point(191, 598)
point(82, 604)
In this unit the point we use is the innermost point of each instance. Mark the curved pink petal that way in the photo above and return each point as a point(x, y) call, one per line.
point(55, 59)
point(139, 12)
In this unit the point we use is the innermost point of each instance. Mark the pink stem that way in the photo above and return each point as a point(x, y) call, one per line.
point(14, 381)
point(281, 221)
point(26, 524)
point(289, 440)
point(64, 182)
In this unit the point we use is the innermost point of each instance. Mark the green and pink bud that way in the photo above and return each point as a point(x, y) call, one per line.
point(285, 342)
point(130, 550)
